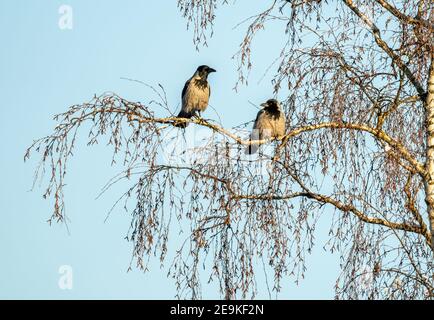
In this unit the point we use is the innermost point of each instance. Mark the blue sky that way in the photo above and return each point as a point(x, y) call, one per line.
point(44, 70)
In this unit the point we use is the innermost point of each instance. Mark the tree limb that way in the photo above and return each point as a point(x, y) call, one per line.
point(405, 18)
point(383, 45)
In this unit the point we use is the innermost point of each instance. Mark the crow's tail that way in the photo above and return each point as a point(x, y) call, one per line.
point(251, 149)
point(255, 135)
point(183, 114)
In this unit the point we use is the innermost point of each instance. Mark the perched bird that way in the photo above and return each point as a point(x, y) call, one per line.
point(269, 123)
point(195, 94)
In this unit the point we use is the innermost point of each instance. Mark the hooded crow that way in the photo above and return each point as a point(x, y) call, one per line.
point(195, 94)
point(269, 123)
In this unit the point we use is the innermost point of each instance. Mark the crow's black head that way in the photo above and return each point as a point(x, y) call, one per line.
point(271, 104)
point(204, 71)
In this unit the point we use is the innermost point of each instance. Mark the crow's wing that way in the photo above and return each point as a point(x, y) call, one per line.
point(185, 89)
point(184, 113)
point(259, 115)
point(256, 133)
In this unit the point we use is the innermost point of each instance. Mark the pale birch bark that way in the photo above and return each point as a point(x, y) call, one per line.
point(429, 181)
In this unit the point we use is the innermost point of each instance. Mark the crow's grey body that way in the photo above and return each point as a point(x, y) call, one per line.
point(195, 95)
point(270, 123)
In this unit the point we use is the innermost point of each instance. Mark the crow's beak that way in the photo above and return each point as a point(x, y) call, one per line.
point(211, 70)
point(264, 105)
